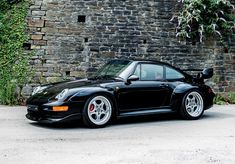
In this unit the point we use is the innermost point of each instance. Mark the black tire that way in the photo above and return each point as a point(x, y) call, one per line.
point(98, 111)
point(192, 106)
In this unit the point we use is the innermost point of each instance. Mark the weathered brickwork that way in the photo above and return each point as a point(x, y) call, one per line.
point(74, 37)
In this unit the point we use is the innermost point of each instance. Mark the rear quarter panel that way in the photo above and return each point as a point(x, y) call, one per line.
point(182, 89)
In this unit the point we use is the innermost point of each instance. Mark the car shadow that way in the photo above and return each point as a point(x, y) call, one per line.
point(215, 115)
point(117, 122)
point(64, 125)
point(158, 118)
point(147, 119)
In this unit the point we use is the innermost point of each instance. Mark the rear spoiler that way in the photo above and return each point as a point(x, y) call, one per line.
point(204, 73)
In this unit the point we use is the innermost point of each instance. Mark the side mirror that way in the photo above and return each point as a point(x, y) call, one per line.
point(207, 73)
point(132, 78)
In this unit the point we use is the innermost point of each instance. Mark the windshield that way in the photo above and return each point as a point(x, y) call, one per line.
point(112, 69)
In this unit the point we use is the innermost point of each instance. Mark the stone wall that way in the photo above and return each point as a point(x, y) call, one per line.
point(74, 37)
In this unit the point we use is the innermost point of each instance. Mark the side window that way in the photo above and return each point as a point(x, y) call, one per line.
point(173, 74)
point(149, 72)
point(137, 71)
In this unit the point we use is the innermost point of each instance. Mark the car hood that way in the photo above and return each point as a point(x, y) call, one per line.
point(57, 88)
point(54, 89)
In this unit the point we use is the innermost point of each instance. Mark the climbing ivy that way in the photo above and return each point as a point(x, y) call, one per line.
point(199, 19)
point(14, 67)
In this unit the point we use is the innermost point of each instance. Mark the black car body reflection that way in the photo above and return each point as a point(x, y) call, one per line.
point(123, 88)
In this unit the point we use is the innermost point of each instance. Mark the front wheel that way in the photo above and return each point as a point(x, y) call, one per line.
point(192, 107)
point(98, 111)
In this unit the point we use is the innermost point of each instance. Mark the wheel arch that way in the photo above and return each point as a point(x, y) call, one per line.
point(102, 91)
point(84, 95)
point(179, 93)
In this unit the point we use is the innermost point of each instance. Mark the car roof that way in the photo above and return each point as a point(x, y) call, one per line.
point(142, 60)
point(146, 61)
point(153, 61)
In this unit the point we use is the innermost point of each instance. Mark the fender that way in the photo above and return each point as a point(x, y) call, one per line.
point(83, 94)
point(182, 88)
point(79, 96)
point(88, 91)
point(178, 94)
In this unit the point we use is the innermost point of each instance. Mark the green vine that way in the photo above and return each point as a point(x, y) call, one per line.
point(14, 65)
point(200, 19)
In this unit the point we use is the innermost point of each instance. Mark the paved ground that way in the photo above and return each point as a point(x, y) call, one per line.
point(160, 139)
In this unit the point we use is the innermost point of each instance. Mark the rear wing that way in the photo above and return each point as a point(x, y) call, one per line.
point(203, 73)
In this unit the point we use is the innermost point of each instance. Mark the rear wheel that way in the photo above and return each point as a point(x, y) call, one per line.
point(192, 107)
point(98, 111)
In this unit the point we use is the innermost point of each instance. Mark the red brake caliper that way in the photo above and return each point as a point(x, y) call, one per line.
point(92, 107)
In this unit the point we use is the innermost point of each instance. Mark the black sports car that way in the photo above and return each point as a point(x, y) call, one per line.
point(123, 88)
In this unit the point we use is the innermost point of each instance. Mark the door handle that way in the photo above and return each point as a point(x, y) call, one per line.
point(163, 85)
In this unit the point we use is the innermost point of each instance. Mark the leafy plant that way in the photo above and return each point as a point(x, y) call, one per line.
point(224, 98)
point(14, 65)
point(199, 19)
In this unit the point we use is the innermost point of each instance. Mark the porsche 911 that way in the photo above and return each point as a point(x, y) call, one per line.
point(123, 88)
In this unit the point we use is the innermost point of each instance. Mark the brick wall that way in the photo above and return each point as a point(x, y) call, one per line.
point(74, 37)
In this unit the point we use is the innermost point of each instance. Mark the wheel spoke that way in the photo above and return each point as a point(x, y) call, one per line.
point(98, 117)
point(102, 104)
point(104, 111)
point(188, 100)
point(96, 105)
point(193, 99)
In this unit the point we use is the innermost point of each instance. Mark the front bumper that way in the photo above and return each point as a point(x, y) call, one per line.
point(45, 114)
point(35, 117)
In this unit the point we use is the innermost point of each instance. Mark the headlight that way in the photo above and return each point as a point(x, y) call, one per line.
point(38, 89)
point(62, 94)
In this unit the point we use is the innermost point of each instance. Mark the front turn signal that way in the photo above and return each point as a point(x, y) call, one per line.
point(60, 108)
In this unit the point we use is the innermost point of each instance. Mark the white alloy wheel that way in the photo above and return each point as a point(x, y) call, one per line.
point(194, 104)
point(99, 110)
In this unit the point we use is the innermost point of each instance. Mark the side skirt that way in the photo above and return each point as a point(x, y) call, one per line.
point(145, 112)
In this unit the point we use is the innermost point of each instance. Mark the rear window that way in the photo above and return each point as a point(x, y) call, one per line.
point(173, 74)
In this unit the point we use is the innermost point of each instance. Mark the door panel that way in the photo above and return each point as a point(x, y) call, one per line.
point(143, 95)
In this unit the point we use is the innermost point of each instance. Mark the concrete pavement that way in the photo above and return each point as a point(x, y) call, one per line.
point(160, 139)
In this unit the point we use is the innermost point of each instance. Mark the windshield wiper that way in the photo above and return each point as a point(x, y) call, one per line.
point(105, 77)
